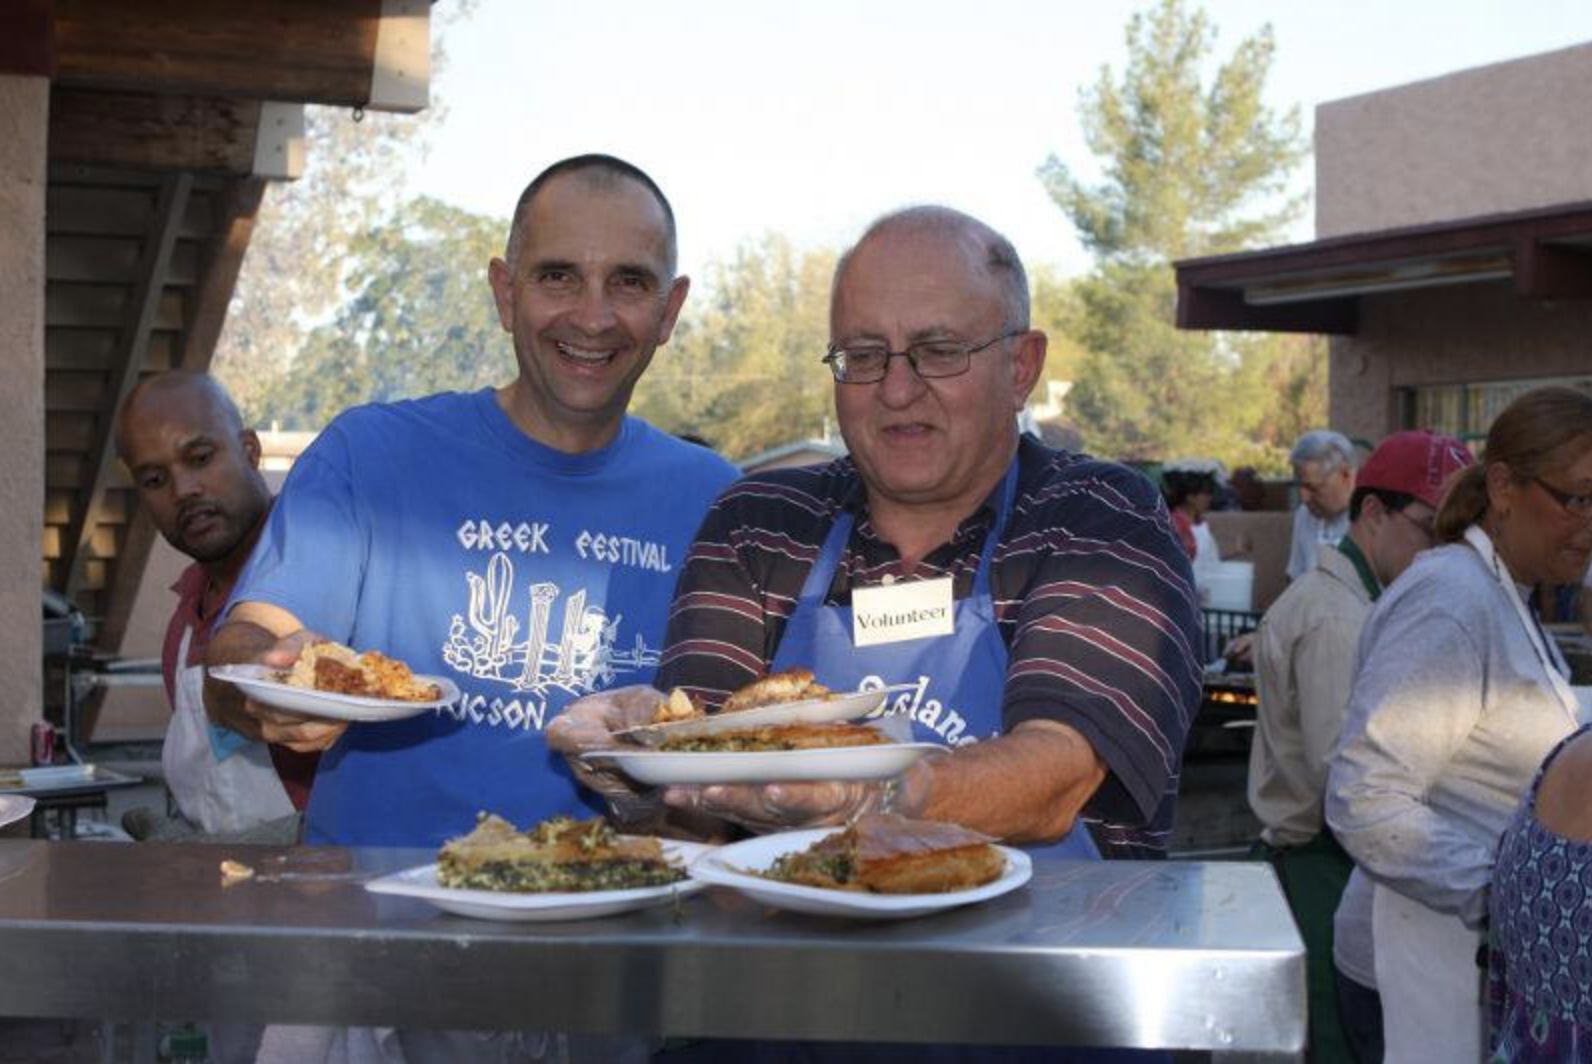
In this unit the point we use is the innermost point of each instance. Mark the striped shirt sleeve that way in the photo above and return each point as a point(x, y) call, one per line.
point(1094, 599)
point(1104, 637)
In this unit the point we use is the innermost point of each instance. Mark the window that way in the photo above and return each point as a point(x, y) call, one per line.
point(1468, 410)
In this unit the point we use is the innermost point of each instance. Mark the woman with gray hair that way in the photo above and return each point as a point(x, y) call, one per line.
point(1323, 465)
point(1459, 696)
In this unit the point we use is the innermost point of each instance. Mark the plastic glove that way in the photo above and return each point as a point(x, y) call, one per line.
point(589, 724)
point(773, 807)
point(781, 806)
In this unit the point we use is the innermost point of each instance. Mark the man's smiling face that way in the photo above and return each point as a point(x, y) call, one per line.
point(588, 300)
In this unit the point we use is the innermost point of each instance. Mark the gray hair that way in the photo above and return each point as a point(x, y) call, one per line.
point(1000, 256)
point(1328, 449)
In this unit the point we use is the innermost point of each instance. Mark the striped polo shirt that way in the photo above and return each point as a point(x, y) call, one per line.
point(1094, 598)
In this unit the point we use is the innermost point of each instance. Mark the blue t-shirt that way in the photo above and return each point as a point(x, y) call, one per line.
point(437, 532)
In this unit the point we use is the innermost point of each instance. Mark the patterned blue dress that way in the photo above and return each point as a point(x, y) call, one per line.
point(1540, 970)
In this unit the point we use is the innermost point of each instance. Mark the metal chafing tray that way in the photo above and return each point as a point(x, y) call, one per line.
point(1162, 954)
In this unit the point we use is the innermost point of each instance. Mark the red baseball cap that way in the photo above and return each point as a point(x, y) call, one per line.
point(1417, 462)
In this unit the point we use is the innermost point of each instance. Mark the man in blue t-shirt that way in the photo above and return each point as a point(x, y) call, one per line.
point(521, 541)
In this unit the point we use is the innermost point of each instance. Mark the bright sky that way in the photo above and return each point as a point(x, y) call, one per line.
point(811, 118)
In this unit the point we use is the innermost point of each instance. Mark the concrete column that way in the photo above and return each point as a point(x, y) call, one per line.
point(24, 127)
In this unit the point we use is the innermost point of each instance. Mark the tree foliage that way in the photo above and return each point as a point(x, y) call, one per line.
point(417, 318)
point(294, 276)
point(1193, 163)
point(743, 368)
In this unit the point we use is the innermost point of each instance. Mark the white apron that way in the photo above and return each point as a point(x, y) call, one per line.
point(1431, 986)
point(230, 794)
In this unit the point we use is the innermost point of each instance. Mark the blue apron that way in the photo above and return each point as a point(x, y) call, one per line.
point(958, 680)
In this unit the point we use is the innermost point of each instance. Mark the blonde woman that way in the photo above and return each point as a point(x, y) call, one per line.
point(1460, 694)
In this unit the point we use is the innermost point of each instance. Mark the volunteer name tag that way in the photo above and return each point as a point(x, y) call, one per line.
point(916, 610)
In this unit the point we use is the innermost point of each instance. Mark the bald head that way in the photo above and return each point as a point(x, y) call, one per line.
point(598, 173)
point(195, 466)
point(154, 396)
point(930, 446)
point(998, 255)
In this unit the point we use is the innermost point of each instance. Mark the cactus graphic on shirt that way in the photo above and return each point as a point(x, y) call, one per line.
point(568, 646)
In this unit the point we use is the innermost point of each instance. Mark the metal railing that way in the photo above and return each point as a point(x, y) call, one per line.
point(1220, 627)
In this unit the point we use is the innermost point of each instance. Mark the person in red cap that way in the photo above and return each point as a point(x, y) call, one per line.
point(1305, 654)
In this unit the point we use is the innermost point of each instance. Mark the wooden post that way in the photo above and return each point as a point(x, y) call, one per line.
point(131, 346)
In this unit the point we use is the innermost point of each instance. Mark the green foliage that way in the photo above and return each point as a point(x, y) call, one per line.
point(1191, 166)
point(418, 319)
point(743, 367)
point(1057, 308)
point(295, 274)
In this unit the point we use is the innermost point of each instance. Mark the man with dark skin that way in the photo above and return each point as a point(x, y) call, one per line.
point(196, 470)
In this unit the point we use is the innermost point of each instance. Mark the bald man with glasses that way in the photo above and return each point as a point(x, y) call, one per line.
point(1059, 669)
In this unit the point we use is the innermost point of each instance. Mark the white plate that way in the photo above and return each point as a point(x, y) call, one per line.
point(667, 767)
point(812, 711)
point(731, 866)
point(506, 905)
point(260, 683)
point(14, 807)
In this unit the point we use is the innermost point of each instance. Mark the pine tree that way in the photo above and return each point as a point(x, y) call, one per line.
point(1192, 165)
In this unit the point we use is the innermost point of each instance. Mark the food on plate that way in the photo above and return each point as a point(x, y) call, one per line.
point(778, 737)
point(791, 685)
point(883, 853)
point(235, 872)
point(677, 707)
point(777, 688)
point(559, 855)
point(329, 666)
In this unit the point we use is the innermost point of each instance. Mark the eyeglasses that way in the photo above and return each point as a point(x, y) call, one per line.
point(928, 358)
point(1427, 528)
point(1314, 486)
point(1574, 505)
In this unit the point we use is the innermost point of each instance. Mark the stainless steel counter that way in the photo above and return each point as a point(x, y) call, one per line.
point(1169, 954)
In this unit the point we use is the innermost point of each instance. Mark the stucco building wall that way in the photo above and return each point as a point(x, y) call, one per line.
point(1496, 139)
point(1507, 137)
point(24, 114)
point(1468, 333)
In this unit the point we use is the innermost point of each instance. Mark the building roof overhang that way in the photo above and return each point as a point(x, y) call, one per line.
point(1544, 253)
point(163, 122)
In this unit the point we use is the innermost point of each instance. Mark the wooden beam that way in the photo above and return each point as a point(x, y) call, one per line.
point(306, 51)
point(122, 594)
point(1199, 307)
point(74, 259)
point(27, 39)
point(116, 605)
point(110, 210)
point(401, 80)
point(222, 259)
point(239, 207)
point(134, 341)
point(203, 134)
point(1552, 271)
